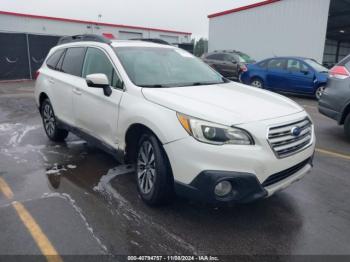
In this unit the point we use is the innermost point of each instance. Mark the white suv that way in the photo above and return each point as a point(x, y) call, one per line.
point(186, 128)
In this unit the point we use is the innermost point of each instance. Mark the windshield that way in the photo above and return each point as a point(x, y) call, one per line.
point(244, 58)
point(316, 66)
point(165, 67)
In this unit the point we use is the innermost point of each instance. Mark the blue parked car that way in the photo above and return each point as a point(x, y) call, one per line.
point(288, 74)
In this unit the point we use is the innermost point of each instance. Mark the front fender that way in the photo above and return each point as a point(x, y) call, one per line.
point(161, 120)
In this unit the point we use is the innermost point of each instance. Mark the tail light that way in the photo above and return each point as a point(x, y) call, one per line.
point(36, 74)
point(339, 72)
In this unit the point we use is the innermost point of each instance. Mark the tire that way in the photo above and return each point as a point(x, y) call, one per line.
point(50, 125)
point(155, 182)
point(258, 83)
point(347, 127)
point(319, 92)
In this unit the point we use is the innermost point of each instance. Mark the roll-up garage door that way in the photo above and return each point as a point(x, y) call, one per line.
point(39, 47)
point(125, 35)
point(14, 62)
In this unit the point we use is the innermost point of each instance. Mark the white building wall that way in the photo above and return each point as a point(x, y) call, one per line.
point(11, 23)
point(288, 27)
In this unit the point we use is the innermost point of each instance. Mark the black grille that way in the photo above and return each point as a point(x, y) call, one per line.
point(284, 174)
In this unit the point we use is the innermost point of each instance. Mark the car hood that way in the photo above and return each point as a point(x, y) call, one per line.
point(228, 104)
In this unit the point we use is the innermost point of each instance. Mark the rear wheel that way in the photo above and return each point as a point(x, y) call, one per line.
point(154, 179)
point(319, 92)
point(258, 83)
point(347, 126)
point(50, 125)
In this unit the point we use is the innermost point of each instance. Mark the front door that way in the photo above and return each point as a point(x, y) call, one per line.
point(301, 77)
point(96, 113)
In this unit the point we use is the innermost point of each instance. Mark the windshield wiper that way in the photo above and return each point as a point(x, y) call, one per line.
point(155, 86)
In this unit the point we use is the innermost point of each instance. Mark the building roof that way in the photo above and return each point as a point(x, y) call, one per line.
point(92, 22)
point(235, 10)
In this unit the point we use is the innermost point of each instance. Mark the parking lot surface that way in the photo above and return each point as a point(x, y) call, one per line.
point(73, 199)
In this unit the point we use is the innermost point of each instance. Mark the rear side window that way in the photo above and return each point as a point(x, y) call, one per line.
point(279, 64)
point(263, 64)
point(53, 59)
point(73, 61)
point(216, 57)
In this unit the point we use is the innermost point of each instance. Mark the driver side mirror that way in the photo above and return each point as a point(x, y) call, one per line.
point(99, 81)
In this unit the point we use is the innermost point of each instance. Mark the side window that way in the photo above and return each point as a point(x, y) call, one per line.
point(73, 61)
point(279, 64)
point(213, 57)
point(53, 59)
point(304, 67)
point(229, 58)
point(60, 62)
point(96, 62)
point(294, 65)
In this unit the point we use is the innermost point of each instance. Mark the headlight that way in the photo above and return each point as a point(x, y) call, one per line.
point(212, 133)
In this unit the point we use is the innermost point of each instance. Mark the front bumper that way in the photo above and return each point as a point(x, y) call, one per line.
point(245, 186)
point(197, 166)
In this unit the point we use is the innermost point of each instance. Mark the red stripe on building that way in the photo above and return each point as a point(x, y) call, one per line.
point(92, 22)
point(235, 10)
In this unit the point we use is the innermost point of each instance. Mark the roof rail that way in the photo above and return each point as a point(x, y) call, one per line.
point(83, 38)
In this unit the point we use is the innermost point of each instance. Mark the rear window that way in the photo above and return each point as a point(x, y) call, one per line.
point(73, 61)
point(53, 59)
point(263, 64)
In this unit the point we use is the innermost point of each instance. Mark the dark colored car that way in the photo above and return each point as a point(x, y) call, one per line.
point(295, 75)
point(229, 64)
point(335, 101)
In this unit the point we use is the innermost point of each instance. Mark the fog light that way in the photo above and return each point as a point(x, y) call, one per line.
point(223, 188)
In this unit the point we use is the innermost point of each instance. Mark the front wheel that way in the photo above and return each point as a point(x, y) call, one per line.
point(347, 126)
point(319, 92)
point(50, 125)
point(154, 179)
point(257, 83)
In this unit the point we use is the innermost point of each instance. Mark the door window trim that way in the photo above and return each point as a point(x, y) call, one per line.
point(112, 63)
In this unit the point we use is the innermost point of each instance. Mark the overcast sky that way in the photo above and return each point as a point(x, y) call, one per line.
point(182, 15)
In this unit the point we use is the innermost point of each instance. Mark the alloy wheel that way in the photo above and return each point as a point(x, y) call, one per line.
point(257, 83)
point(49, 120)
point(146, 172)
point(319, 92)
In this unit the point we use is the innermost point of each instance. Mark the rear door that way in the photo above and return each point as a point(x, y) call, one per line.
point(301, 77)
point(231, 66)
point(95, 113)
point(277, 74)
point(66, 78)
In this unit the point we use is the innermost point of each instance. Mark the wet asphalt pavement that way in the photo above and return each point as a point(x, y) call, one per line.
point(85, 203)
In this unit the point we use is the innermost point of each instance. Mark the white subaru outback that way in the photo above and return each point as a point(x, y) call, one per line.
point(187, 129)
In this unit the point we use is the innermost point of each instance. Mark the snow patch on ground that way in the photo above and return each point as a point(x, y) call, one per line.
point(55, 170)
point(126, 209)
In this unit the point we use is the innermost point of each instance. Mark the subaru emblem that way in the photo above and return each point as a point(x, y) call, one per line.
point(296, 131)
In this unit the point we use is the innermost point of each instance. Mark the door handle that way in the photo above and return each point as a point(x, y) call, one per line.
point(77, 91)
point(51, 81)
